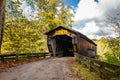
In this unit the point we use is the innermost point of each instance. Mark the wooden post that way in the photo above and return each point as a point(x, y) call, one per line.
point(44, 55)
point(91, 68)
point(37, 55)
point(2, 59)
point(79, 58)
point(53, 45)
point(101, 73)
point(17, 57)
point(28, 56)
point(119, 77)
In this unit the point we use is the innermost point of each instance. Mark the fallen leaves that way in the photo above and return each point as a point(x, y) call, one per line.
point(55, 78)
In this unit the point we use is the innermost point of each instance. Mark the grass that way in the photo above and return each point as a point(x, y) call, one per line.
point(84, 73)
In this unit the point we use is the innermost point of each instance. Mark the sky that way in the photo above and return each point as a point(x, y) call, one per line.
point(73, 3)
point(90, 15)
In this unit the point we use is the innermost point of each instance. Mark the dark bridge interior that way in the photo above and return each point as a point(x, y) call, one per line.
point(63, 41)
point(64, 46)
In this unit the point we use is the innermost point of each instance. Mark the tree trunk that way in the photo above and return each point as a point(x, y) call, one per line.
point(2, 17)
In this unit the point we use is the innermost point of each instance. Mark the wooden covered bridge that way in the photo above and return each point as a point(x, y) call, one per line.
point(62, 41)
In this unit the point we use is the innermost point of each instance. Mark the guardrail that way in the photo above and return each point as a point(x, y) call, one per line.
point(16, 57)
point(105, 70)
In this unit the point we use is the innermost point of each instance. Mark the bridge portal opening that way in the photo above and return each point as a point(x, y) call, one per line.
point(64, 47)
point(63, 41)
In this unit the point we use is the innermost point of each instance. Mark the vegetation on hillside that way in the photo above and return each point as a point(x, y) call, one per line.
point(23, 34)
point(84, 73)
point(108, 50)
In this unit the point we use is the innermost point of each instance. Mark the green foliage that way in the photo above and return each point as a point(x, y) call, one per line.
point(108, 50)
point(53, 13)
point(102, 47)
point(65, 16)
point(22, 35)
point(84, 73)
point(114, 45)
point(13, 8)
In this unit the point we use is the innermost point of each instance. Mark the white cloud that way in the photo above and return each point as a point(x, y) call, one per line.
point(93, 15)
point(90, 28)
point(94, 31)
point(106, 5)
point(87, 9)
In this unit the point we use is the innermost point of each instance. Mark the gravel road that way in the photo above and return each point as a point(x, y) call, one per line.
point(50, 69)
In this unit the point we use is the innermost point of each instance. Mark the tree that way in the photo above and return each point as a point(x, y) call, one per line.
point(114, 44)
point(2, 17)
point(53, 13)
point(108, 50)
point(113, 21)
point(65, 16)
point(13, 8)
point(24, 35)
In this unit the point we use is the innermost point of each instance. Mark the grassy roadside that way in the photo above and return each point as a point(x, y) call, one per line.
point(83, 73)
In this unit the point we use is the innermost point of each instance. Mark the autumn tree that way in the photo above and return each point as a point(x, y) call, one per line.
point(2, 16)
point(53, 13)
point(113, 20)
point(13, 8)
point(24, 35)
point(65, 15)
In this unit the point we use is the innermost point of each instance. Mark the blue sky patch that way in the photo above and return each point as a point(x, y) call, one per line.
point(72, 2)
point(81, 25)
point(96, 1)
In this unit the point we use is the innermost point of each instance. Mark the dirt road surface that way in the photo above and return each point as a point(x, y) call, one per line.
point(50, 69)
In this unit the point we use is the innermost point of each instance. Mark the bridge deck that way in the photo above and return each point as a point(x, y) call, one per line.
point(51, 69)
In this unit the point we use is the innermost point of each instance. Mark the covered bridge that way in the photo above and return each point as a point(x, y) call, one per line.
point(62, 41)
